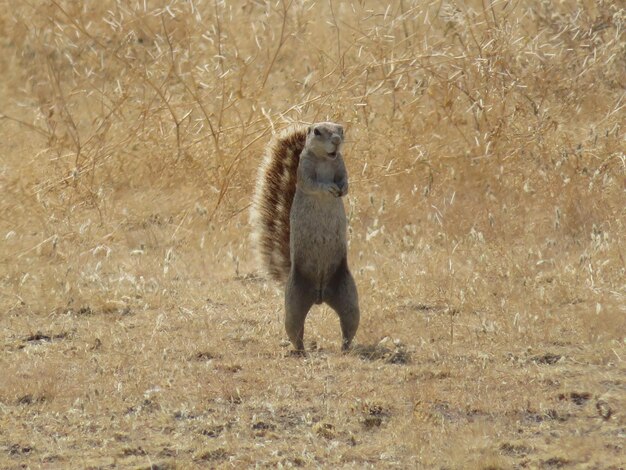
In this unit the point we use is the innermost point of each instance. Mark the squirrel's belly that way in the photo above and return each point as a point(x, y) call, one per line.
point(317, 235)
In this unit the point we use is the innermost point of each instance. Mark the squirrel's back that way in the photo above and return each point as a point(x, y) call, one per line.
point(273, 197)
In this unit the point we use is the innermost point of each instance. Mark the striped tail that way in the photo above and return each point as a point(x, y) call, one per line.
point(273, 196)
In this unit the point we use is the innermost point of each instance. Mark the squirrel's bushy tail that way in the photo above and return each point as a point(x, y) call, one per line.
point(273, 196)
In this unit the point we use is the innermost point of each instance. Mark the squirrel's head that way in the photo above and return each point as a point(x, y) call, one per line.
point(325, 139)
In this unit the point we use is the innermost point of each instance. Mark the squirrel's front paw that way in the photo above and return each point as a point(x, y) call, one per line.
point(334, 190)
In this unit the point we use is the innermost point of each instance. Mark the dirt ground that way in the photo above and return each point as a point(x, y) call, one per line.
point(485, 149)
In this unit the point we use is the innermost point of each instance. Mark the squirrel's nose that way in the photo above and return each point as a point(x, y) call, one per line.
point(335, 139)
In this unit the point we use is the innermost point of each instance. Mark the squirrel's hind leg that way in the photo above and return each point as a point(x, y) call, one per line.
point(342, 296)
point(299, 298)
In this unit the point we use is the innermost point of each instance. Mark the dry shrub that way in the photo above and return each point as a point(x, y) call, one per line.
point(467, 123)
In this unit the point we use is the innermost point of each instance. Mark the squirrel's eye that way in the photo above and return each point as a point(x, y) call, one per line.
point(317, 132)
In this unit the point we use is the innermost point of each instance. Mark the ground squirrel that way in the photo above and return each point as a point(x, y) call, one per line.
point(299, 226)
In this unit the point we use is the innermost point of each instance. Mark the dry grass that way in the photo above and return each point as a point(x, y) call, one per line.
point(487, 220)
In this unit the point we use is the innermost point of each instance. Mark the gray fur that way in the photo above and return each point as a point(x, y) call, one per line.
point(318, 246)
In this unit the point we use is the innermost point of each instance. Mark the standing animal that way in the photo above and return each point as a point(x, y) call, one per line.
point(299, 226)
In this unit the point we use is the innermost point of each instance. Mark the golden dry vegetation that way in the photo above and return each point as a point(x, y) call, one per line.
point(487, 219)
